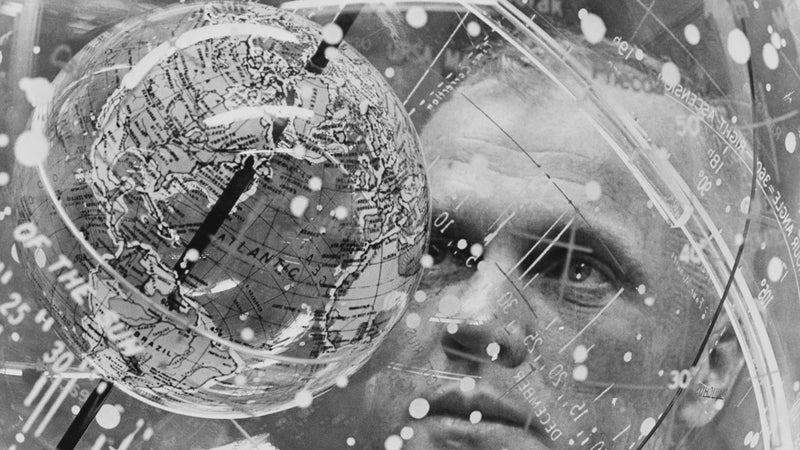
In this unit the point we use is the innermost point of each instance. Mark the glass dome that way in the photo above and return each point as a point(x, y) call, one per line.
point(409, 224)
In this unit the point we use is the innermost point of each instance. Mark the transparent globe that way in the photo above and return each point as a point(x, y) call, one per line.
point(220, 230)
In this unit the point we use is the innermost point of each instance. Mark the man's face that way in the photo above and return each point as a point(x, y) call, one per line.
point(559, 305)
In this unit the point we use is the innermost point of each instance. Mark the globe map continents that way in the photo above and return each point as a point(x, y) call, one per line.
point(218, 230)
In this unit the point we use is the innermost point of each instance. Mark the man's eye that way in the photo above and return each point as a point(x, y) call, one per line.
point(578, 269)
point(581, 271)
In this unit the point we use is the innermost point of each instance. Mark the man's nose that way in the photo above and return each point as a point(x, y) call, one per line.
point(493, 319)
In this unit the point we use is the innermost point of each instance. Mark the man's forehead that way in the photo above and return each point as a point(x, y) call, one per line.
point(518, 137)
point(516, 132)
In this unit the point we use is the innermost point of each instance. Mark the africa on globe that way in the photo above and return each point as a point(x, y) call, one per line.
point(220, 231)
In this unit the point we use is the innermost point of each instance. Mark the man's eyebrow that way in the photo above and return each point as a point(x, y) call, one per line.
point(547, 240)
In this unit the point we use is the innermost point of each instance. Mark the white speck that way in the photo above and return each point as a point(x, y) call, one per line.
point(393, 442)
point(775, 40)
point(342, 381)
point(473, 28)
point(770, 55)
point(461, 244)
point(738, 46)
point(476, 250)
point(647, 425)
point(248, 334)
point(340, 212)
point(582, 13)
point(298, 205)
point(775, 269)
point(641, 289)
point(4, 140)
point(389, 72)
point(108, 417)
point(744, 206)
point(790, 142)
point(692, 34)
point(467, 384)
point(418, 408)
point(670, 74)
point(449, 305)
point(38, 91)
point(452, 328)
point(796, 386)
point(426, 261)
point(31, 148)
point(627, 356)
point(580, 372)
point(420, 296)
point(416, 16)
point(36, 49)
point(315, 183)
point(407, 433)
point(650, 301)
point(493, 350)
point(413, 320)
point(192, 255)
point(351, 441)
point(299, 151)
point(303, 398)
point(638, 54)
point(20, 438)
point(580, 353)
point(475, 417)
point(719, 404)
point(593, 191)
point(332, 53)
point(332, 34)
point(15, 336)
point(75, 410)
point(593, 28)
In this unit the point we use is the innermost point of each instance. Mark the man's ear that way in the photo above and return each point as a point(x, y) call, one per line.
point(716, 374)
